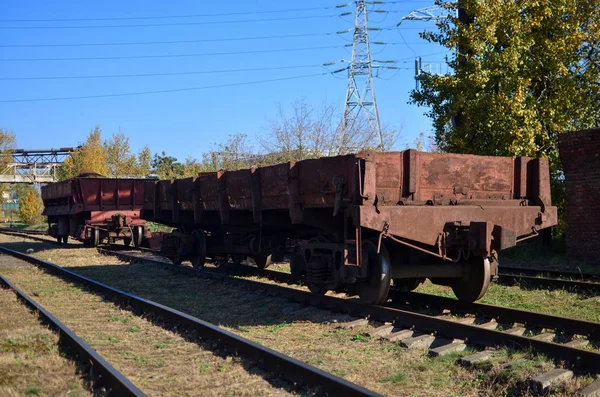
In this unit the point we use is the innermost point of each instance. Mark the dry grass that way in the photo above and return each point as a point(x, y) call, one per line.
point(310, 334)
point(30, 362)
point(157, 360)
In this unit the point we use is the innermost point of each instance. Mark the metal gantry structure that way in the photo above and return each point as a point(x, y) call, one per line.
point(360, 94)
point(427, 14)
point(34, 165)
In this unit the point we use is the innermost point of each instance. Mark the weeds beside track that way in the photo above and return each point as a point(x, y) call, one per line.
point(288, 368)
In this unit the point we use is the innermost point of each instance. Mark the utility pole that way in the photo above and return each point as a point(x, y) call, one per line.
point(360, 94)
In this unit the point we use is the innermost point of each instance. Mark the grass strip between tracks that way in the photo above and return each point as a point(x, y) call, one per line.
point(104, 374)
point(306, 332)
point(30, 360)
point(287, 367)
point(582, 359)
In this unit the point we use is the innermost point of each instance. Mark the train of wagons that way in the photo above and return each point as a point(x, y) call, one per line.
point(357, 223)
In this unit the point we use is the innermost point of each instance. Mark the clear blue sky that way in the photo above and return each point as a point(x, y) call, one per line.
point(186, 123)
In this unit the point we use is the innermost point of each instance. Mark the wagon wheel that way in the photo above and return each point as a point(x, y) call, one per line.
point(318, 289)
point(237, 259)
point(177, 260)
point(138, 235)
point(262, 260)
point(374, 290)
point(94, 237)
point(199, 258)
point(475, 281)
point(297, 265)
point(407, 284)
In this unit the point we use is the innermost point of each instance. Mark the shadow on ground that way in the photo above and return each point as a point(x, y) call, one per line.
point(37, 246)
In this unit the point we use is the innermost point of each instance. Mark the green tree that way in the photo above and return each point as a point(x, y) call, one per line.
point(525, 71)
point(121, 162)
point(144, 162)
point(7, 143)
point(167, 167)
point(90, 157)
point(191, 167)
point(30, 206)
point(234, 154)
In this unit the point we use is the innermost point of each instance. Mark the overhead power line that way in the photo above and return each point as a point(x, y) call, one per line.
point(169, 16)
point(194, 15)
point(109, 76)
point(169, 24)
point(182, 41)
point(167, 55)
point(167, 41)
point(162, 91)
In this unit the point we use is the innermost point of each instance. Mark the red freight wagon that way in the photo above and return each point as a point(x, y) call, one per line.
point(92, 208)
point(368, 219)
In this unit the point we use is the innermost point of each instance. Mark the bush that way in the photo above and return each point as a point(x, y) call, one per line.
point(30, 207)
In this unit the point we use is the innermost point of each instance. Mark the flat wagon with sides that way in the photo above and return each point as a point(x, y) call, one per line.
point(91, 208)
point(367, 220)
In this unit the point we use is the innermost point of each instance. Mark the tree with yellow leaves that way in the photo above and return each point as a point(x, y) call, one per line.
point(30, 206)
point(524, 71)
point(90, 157)
point(7, 142)
point(121, 162)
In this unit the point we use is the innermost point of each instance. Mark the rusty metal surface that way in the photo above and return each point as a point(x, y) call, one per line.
point(415, 194)
point(383, 179)
point(424, 223)
point(93, 194)
point(273, 181)
point(56, 190)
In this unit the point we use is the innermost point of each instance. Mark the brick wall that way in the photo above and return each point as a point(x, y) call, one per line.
point(580, 156)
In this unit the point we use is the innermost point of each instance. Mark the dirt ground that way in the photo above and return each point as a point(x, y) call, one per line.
point(306, 333)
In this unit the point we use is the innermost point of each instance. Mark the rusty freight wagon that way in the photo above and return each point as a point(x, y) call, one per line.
point(367, 220)
point(91, 208)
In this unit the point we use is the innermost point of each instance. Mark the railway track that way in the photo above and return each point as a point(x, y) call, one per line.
point(75, 348)
point(287, 368)
point(459, 325)
point(509, 275)
point(483, 326)
point(28, 232)
point(452, 326)
point(552, 279)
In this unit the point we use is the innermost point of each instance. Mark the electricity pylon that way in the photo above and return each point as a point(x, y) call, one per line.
point(360, 94)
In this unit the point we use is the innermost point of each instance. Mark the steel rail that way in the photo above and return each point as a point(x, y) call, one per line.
point(29, 232)
point(270, 360)
point(578, 358)
point(502, 314)
point(508, 275)
point(106, 375)
point(536, 271)
point(35, 237)
point(551, 283)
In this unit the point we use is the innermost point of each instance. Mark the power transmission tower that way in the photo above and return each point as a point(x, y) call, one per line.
point(427, 14)
point(360, 94)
